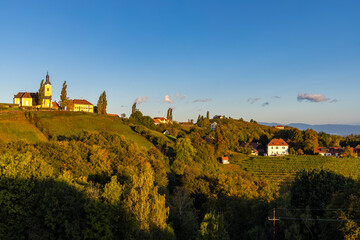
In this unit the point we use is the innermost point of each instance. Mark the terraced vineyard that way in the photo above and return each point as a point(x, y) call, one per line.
point(280, 169)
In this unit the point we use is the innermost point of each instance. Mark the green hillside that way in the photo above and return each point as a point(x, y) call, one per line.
point(279, 169)
point(38, 125)
point(14, 126)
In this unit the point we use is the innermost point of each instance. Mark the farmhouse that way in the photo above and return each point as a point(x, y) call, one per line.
point(224, 160)
point(161, 120)
point(333, 151)
point(213, 126)
point(82, 105)
point(277, 147)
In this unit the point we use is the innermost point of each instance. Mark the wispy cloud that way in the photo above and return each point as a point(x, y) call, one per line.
point(253, 100)
point(276, 97)
point(334, 100)
point(168, 99)
point(202, 100)
point(142, 99)
point(181, 96)
point(312, 97)
point(265, 104)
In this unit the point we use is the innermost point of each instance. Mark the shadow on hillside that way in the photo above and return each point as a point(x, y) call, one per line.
point(48, 209)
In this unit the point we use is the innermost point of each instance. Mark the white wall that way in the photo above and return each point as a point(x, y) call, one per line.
point(277, 150)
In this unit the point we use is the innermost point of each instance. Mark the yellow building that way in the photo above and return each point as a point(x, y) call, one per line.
point(25, 99)
point(28, 99)
point(47, 97)
point(82, 105)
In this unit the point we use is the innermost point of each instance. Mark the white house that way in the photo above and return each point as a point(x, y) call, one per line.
point(213, 126)
point(277, 147)
point(224, 160)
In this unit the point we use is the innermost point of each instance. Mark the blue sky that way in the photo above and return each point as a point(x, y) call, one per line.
point(274, 61)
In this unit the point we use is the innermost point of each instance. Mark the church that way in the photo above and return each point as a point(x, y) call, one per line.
point(29, 99)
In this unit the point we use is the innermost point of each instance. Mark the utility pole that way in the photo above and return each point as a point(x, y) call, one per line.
point(273, 219)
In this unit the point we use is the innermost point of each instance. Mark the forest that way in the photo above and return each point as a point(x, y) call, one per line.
point(99, 184)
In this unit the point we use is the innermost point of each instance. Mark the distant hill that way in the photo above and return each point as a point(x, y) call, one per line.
point(338, 129)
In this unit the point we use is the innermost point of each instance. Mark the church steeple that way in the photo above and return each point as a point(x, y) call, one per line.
point(47, 78)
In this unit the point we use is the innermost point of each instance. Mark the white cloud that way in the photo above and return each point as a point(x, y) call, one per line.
point(312, 97)
point(141, 99)
point(168, 99)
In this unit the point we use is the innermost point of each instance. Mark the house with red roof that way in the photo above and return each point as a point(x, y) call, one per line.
point(277, 147)
point(82, 105)
point(333, 151)
point(161, 120)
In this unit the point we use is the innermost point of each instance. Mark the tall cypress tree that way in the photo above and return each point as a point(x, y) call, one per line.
point(102, 104)
point(41, 93)
point(133, 108)
point(63, 97)
point(207, 115)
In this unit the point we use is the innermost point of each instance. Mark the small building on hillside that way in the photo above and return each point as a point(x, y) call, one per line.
point(161, 120)
point(166, 132)
point(255, 150)
point(112, 115)
point(55, 105)
point(218, 117)
point(277, 147)
point(224, 160)
point(25, 99)
point(213, 126)
point(333, 151)
point(82, 105)
point(280, 127)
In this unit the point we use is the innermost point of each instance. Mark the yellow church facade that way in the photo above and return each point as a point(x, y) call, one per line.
point(28, 99)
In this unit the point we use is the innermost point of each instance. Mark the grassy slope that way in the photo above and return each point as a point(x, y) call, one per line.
point(69, 123)
point(279, 169)
point(14, 126)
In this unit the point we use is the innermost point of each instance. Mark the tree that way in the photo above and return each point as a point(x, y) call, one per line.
point(207, 115)
point(102, 103)
point(171, 116)
point(213, 227)
point(63, 97)
point(311, 140)
point(348, 152)
point(41, 93)
point(144, 202)
point(133, 108)
point(70, 105)
point(185, 153)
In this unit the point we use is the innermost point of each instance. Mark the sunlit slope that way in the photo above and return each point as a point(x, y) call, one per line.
point(279, 169)
point(69, 123)
point(14, 126)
